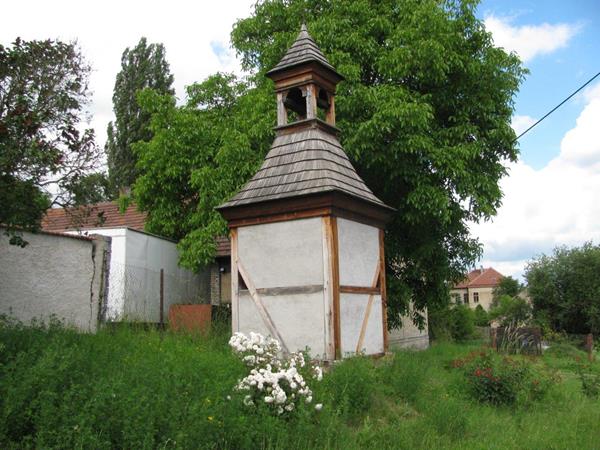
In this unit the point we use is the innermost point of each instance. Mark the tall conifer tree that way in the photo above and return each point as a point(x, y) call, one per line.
point(144, 66)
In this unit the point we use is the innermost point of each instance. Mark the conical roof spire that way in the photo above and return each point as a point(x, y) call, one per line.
point(303, 50)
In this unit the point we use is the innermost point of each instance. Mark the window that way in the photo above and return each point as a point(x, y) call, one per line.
point(466, 299)
point(456, 298)
point(475, 297)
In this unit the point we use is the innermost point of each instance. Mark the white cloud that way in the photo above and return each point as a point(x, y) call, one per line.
point(556, 205)
point(521, 123)
point(529, 41)
point(190, 31)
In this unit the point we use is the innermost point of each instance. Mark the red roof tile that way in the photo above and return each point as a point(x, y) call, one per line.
point(100, 215)
point(107, 215)
point(489, 277)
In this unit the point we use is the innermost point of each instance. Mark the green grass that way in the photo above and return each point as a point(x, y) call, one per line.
point(134, 388)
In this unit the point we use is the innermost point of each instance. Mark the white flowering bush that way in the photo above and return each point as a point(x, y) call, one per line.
point(279, 383)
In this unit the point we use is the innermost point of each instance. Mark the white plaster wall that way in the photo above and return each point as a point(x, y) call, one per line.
point(358, 262)
point(298, 318)
point(134, 277)
point(409, 335)
point(145, 255)
point(352, 313)
point(359, 252)
point(283, 253)
point(53, 275)
point(115, 301)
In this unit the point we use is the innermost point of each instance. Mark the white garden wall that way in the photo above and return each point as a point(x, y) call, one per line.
point(54, 275)
point(134, 277)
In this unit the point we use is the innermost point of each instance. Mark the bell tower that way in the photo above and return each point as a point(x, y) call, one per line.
point(307, 258)
point(305, 83)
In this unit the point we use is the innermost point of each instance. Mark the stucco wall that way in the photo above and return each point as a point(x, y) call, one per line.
point(134, 277)
point(285, 255)
point(409, 335)
point(359, 261)
point(485, 296)
point(145, 255)
point(53, 275)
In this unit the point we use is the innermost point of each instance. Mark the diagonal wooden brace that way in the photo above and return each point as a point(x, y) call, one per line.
point(266, 317)
point(363, 328)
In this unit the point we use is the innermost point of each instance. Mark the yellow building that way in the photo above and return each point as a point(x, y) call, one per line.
point(477, 288)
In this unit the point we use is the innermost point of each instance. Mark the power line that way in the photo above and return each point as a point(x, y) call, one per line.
point(559, 105)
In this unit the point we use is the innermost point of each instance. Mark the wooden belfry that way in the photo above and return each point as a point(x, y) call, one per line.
point(307, 260)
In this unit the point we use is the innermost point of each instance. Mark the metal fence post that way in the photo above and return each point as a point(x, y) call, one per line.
point(162, 298)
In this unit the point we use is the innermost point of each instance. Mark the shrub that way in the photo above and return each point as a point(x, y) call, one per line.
point(278, 383)
point(503, 380)
point(494, 383)
point(510, 311)
point(590, 380)
point(456, 322)
point(462, 324)
point(481, 318)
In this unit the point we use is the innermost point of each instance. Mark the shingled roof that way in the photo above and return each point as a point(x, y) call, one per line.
point(303, 50)
point(305, 162)
point(306, 156)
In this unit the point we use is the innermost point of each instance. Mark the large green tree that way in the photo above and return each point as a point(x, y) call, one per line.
point(45, 157)
point(564, 288)
point(424, 112)
point(144, 66)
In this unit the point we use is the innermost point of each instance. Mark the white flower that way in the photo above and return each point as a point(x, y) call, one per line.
point(308, 399)
point(268, 399)
point(319, 406)
point(280, 397)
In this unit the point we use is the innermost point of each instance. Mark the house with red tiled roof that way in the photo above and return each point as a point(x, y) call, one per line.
point(477, 288)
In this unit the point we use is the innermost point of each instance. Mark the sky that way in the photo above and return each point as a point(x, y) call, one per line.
point(551, 195)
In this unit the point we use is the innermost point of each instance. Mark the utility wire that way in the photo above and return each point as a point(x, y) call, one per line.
point(559, 105)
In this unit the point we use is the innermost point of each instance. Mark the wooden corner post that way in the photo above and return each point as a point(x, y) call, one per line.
point(331, 231)
point(383, 289)
point(235, 291)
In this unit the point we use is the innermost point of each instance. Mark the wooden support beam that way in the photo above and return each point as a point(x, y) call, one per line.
point(335, 286)
point(328, 291)
point(330, 117)
point(311, 101)
point(365, 323)
point(235, 292)
point(290, 290)
point(361, 289)
point(282, 117)
point(383, 289)
point(262, 311)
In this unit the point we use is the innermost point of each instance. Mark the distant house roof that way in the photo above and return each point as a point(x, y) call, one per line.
point(489, 277)
point(106, 215)
point(99, 215)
